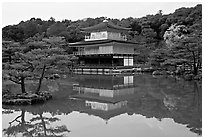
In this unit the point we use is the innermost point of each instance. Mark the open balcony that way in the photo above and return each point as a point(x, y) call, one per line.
point(79, 53)
point(123, 38)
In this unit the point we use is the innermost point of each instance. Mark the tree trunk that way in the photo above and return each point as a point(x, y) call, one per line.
point(23, 116)
point(195, 69)
point(10, 59)
point(40, 80)
point(23, 85)
point(43, 124)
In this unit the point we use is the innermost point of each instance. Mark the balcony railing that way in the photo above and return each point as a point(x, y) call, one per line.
point(124, 38)
point(79, 53)
point(100, 53)
point(102, 66)
point(87, 37)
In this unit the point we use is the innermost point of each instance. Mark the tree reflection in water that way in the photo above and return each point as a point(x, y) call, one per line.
point(162, 98)
point(37, 126)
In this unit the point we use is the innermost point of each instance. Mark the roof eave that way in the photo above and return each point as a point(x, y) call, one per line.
point(84, 43)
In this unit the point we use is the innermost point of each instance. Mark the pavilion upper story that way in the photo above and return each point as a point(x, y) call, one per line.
point(105, 30)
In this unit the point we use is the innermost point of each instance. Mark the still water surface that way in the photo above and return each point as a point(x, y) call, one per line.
point(105, 105)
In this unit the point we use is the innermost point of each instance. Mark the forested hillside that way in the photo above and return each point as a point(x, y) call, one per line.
point(150, 28)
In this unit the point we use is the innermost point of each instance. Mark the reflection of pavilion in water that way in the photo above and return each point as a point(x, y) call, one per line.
point(123, 97)
point(105, 96)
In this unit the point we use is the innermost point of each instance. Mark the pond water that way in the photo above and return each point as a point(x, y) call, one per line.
point(106, 105)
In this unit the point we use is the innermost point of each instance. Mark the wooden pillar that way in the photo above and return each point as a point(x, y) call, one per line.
point(112, 62)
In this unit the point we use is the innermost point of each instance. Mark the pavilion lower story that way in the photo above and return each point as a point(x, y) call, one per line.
point(99, 64)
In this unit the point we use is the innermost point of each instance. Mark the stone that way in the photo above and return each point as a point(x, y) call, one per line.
point(56, 76)
point(53, 76)
point(188, 77)
point(198, 77)
point(163, 72)
point(25, 99)
point(156, 72)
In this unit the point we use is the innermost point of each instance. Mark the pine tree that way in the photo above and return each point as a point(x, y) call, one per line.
point(185, 44)
point(41, 58)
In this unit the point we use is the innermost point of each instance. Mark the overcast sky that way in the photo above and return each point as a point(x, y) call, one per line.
point(13, 13)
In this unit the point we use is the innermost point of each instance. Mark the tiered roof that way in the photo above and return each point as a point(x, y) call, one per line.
point(88, 43)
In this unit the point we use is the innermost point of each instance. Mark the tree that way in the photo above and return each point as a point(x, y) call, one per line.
point(30, 28)
point(8, 50)
point(17, 70)
point(52, 19)
point(185, 44)
point(43, 57)
point(156, 22)
point(56, 29)
point(74, 34)
point(126, 22)
point(47, 58)
point(148, 32)
point(158, 56)
point(135, 27)
point(15, 33)
point(142, 54)
point(163, 28)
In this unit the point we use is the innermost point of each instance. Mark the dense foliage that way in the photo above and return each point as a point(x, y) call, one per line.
point(184, 46)
point(150, 27)
point(34, 59)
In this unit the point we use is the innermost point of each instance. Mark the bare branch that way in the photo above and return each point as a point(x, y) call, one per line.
point(17, 82)
point(15, 120)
